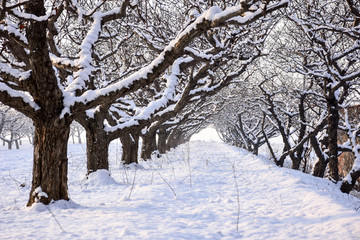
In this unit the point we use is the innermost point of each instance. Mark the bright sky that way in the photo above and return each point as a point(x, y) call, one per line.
point(208, 134)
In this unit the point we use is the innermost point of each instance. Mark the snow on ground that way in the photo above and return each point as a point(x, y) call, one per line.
point(190, 193)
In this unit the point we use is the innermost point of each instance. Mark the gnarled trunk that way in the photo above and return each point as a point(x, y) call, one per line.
point(333, 123)
point(296, 163)
point(162, 138)
point(50, 163)
point(149, 145)
point(347, 186)
point(319, 169)
point(320, 166)
point(97, 140)
point(175, 139)
point(130, 147)
point(97, 149)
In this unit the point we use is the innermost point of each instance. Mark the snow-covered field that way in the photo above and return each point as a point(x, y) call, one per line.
point(201, 190)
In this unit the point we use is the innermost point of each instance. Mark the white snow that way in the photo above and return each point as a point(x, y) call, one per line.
point(15, 94)
point(190, 193)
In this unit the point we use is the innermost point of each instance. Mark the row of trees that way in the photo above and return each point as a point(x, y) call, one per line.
point(13, 127)
point(121, 69)
point(305, 90)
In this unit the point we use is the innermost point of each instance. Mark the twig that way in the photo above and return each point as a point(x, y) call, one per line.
point(165, 181)
point(133, 183)
point(16, 181)
point(54, 217)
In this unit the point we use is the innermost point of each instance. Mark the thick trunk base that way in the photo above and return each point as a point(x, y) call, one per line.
point(162, 135)
point(130, 147)
point(148, 146)
point(50, 164)
point(319, 169)
point(97, 150)
point(347, 187)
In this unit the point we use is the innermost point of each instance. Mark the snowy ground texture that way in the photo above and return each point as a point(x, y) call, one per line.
point(190, 193)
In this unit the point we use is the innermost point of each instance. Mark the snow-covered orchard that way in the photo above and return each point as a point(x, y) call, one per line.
point(133, 80)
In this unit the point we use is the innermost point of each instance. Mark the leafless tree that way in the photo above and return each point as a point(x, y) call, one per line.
point(52, 54)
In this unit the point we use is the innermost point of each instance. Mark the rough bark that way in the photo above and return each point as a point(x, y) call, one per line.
point(97, 149)
point(319, 169)
point(333, 123)
point(149, 145)
point(320, 166)
point(130, 146)
point(299, 154)
point(162, 135)
point(346, 186)
point(50, 163)
point(97, 139)
point(51, 131)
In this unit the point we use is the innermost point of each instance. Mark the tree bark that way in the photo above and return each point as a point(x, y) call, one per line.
point(296, 163)
point(299, 154)
point(333, 123)
point(97, 148)
point(320, 166)
point(319, 169)
point(175, 138)
point(50, 163)
point(149, 145)
point(162, 138)
point(97, 139)
point(346, 186)
point(130, 147)
point(79, 135)
point(17, 144)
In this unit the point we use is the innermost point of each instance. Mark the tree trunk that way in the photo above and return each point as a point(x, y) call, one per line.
point(50, 163)
point(256, 149)
point(31, 140)
point(319, 169)
point(149, 145)
point(299, 154)
point(320, 166)
point(73, 138)
point(347, 186)
point(333, 123)
point(175, 139)
point(79, 135)
point(162, 137)
point(130, 147)
point(296, 163)
point(97, 148)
